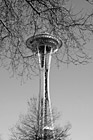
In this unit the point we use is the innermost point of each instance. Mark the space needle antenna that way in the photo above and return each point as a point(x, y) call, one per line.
point(44, 45)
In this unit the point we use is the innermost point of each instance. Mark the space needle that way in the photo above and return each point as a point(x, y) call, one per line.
point(44, 45)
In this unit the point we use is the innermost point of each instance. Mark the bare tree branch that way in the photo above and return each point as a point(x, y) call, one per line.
point(26, 128)
point(20, 19)
point(29, 2)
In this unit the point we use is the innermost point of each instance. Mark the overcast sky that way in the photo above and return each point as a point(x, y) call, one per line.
point(71, 90)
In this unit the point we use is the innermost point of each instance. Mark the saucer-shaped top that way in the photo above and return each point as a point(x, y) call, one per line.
point(42, 40)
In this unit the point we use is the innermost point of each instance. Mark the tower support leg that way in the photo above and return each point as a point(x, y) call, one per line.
point(45, 107)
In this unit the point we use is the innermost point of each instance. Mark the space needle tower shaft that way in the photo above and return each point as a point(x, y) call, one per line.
point(44, 96)
point(44, 45)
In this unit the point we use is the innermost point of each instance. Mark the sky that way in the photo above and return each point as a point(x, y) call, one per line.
point(71, 90)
